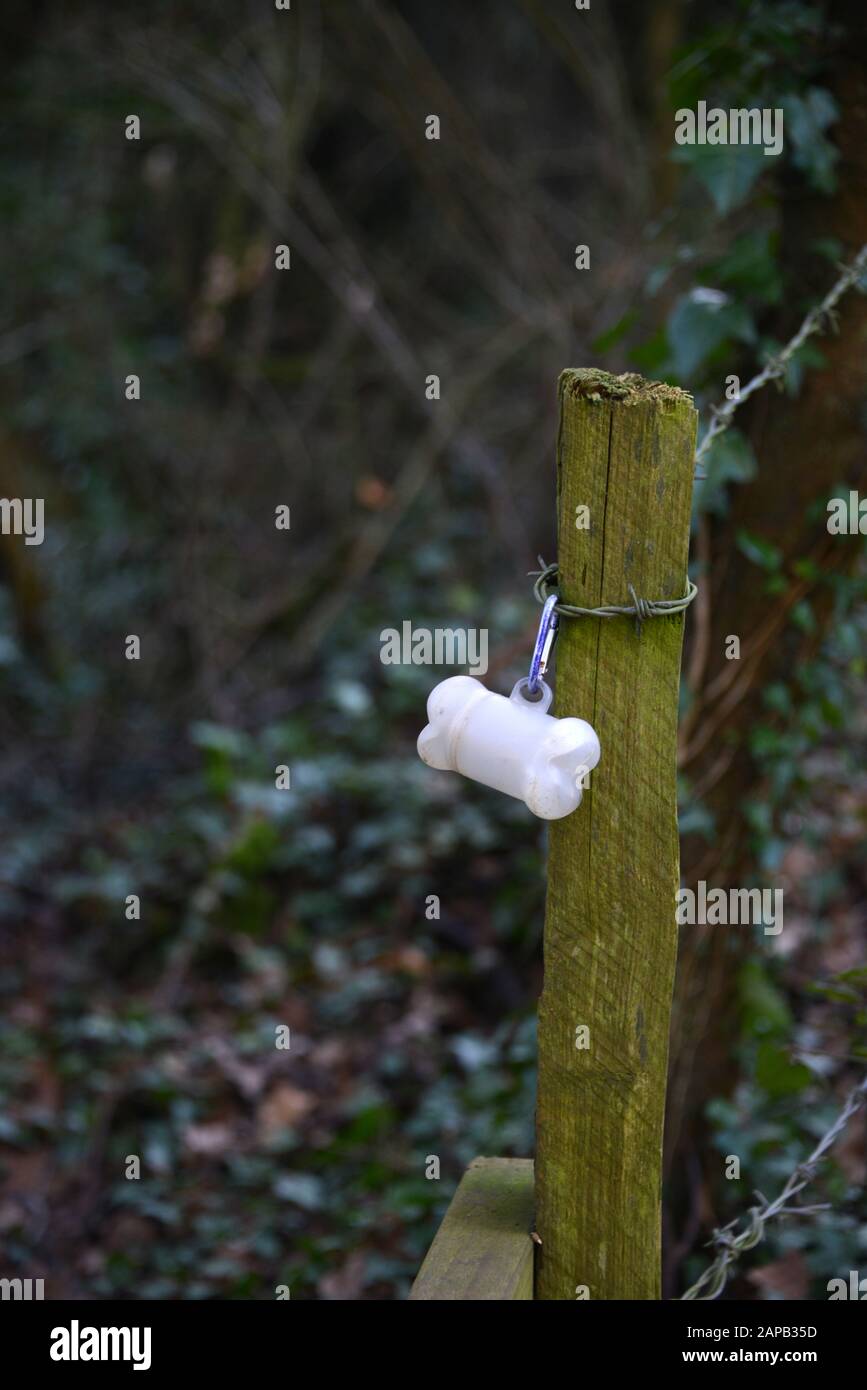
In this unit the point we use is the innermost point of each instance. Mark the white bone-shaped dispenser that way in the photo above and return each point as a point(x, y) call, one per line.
point(512, 744)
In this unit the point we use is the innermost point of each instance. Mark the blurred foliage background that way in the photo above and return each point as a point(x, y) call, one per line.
point(259, 388)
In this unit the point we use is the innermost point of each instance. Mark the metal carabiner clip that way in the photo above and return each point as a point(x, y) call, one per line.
point(545, 638)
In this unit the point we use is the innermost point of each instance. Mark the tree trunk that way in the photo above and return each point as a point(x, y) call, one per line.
point(805, 448)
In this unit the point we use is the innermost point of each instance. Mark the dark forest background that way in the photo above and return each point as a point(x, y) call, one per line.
point(409, 257)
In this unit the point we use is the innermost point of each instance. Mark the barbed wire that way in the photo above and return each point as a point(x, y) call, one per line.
point(732, 1244)
point(547, 583)
point(820, 317)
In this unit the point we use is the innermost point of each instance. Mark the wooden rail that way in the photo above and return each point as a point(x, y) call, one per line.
point(483, 1248)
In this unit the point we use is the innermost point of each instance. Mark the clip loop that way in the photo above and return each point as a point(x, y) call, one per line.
point(545, 638)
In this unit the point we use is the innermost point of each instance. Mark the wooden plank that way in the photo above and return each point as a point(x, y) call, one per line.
point(626, 450)
point(483, 1249)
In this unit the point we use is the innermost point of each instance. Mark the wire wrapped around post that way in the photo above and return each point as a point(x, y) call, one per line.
point(639, 608)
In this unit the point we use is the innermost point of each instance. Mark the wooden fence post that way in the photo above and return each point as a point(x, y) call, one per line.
point(625, 450)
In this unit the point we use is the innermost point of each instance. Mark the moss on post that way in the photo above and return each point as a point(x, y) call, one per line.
point(625, 450)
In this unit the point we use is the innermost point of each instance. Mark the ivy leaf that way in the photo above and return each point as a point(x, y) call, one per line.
point(803, 617)
point(777, 1074)
point(652, 355)
point(751, 267)
point(612, 336)
point(304, 1190)
point(696, 820)
point(759, 551)
point(806, 120)
point(764, 1010)
point(809, 355)
point(728, 172)
point(730, 459)
point(700, 322)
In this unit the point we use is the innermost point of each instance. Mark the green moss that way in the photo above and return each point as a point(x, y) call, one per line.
point(593, 384)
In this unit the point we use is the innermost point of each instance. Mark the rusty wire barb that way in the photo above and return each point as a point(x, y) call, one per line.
point(818, 320)
point(731, 1244)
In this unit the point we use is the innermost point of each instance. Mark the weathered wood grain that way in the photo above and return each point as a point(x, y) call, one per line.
point(483, 1248)
point(625, 449)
